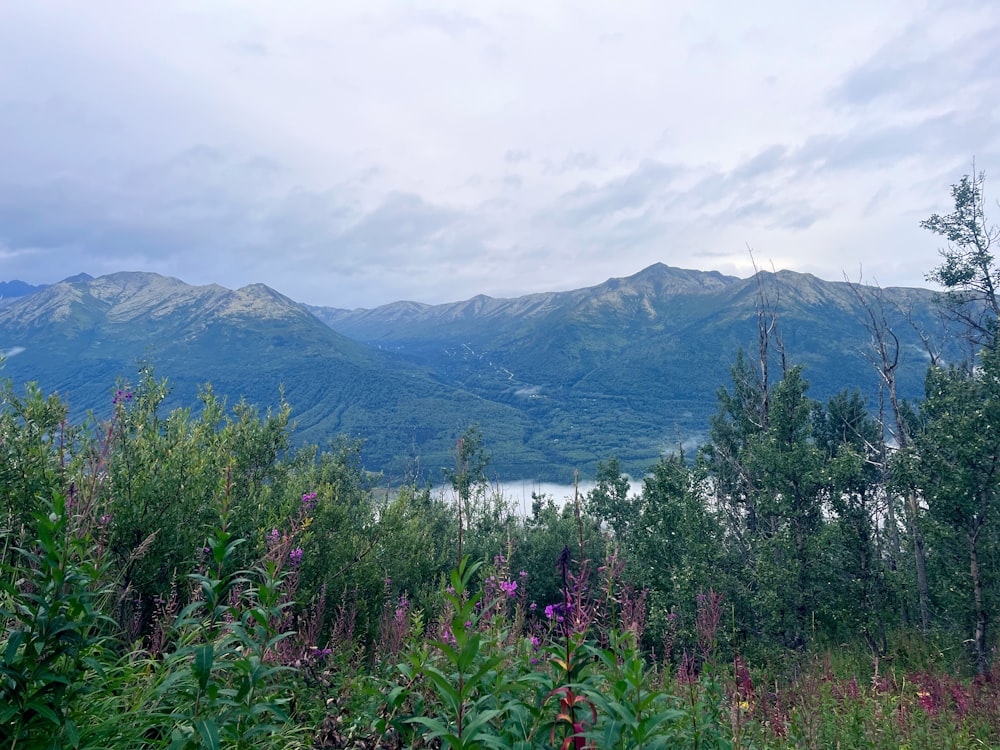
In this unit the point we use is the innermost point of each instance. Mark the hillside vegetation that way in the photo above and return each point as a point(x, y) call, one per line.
point(630, 367)
point(814, 575)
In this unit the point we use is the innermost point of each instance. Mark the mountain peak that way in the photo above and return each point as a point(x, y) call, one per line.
point(670, 279)
point(16, 288)
point(128, 296)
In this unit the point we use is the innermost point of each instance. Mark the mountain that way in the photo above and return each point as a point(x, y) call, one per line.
point(9, 290)
point(632, 366)
point(557, 381)
point(79, 337)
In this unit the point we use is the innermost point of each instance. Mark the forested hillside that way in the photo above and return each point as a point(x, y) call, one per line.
point(629, 368)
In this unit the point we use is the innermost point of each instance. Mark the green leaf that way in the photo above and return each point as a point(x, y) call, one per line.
point(43, 710)
point(204, 658)
point(445, 689)
point(209, 733)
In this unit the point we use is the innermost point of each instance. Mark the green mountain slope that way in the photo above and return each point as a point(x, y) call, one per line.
point(556, 381)
point(78, 338)
point(632, 366)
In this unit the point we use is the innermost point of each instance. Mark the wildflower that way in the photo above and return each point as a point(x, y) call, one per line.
point(510, 587)
point(402, 607)
point(295, 556)
point(309, 501)
point(535, 642)
point(105, 520)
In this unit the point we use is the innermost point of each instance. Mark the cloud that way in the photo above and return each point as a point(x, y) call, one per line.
point(934, 61)
point(207, 208)
point(590, 203)
point(354, 154)
point(764, 163)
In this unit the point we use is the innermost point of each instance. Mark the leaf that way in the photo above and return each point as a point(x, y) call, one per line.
point(479, 723)
point(13, 643)
point(209, 733)
point(444, 687)
point(43, 710)
point(204, 658)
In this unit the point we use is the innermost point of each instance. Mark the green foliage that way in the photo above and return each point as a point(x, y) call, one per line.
point(544, 534)
point(955, 459)
point(460, 686)
point(34, 440)
point(221, 686)
point(53, 632)
point(968, 271)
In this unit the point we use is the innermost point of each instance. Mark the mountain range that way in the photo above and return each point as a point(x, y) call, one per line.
point(556, 381)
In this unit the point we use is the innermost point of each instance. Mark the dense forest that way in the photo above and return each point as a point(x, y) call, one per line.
point(816, 575)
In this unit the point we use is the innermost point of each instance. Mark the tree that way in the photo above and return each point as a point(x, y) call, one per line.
point(787, 465)
point(850, 440)
point(468, 478)
point(885, 353)
point(33, 438)
point(969, 272)
point(676, 546)
point(609, 500)
point(765, 472)
point(956, 460)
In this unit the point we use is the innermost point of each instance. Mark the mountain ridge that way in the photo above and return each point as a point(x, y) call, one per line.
point(558, 380)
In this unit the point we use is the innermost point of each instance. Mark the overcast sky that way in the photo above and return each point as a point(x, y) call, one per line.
point(356, 153)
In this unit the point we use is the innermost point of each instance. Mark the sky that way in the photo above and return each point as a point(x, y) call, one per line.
point(352, 154)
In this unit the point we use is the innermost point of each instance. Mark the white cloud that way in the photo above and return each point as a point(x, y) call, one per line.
point(353, 154)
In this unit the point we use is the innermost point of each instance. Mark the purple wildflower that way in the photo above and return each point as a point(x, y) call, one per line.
point(555, 612)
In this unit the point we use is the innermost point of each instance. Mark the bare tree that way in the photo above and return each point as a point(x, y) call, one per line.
point(884, 356)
